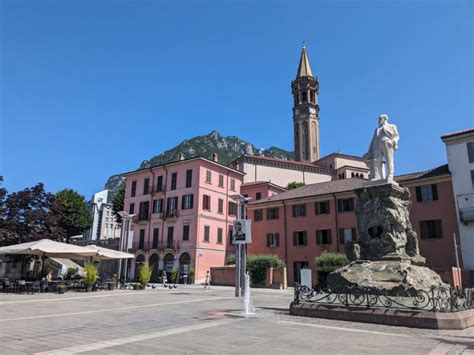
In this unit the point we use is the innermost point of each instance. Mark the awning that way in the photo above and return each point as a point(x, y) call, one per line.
point(49, 248)
point(109, 254)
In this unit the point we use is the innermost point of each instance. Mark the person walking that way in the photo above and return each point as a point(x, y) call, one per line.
point(207, 283)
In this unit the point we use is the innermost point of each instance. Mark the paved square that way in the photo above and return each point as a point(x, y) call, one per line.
point(192, 320)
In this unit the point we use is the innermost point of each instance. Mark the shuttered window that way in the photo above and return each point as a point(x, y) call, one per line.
point(470, 151)
point(300, 238)
point(431, 229)
point(273, 213)
point(345, 205)
point(427, 193)
point(321, 207)
point(347, 235)
point(299, 210)
point(273, 240)
point(257, 215)
point(323, 237)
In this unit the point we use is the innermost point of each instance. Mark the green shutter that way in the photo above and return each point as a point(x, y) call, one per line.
point(329, 236)
point(269, 236)
point(305, 238)
point(277, 239)
point(318, 237)
point(295, 238)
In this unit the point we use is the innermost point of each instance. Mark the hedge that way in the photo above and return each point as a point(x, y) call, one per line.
point(327, 263)
point(258, 265)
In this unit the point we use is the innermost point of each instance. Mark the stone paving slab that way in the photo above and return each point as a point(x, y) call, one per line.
point(191, 320)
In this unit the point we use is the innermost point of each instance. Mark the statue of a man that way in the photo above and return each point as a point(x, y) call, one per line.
point(383, 144)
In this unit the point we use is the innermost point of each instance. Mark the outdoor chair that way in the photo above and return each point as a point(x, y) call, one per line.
point(9, 287)
point(34, 287)
point(21, 286)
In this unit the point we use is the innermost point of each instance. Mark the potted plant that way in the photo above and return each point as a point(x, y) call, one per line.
point(144, 275)
point(174, 275)
point(90, 276)
point(61, 289)
point(191, 274)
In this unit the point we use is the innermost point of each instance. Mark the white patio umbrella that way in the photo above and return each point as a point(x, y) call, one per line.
point(108, 254)
point(47, 247)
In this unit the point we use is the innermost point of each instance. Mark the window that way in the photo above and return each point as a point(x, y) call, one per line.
point(158, 206)
point(159, 183)
point(141, 241)
point(258, 196)
point(144, 210)
point(472, 177)
point(304, 95)
point(273, 240)
point(187, 202)
point(426, 193)
point(232, 209)
point(220, 232)
point(131, 209)
point(431, 229)
point(299, 210)
point(232, 184)
point(186, 232)
point(189, 177)
point(146, 186)
point(207, 232)
point(220, 206)
point(156, 233)
point(257, 215)
point(221, 180)
point(174, 179)
point(300, 238)
point(470, 151)
point(323, 237)
point(345, 205)
point(134, 189)
point(170, 236)
point(311, 96)
point(208, 176)
point(273, 213)
point(172, 204)
point(321, 207)
point(347, 235)
point(206, 202)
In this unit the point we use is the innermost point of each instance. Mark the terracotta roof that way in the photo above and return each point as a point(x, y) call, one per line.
point(321, 188)
point(458, 133)
point(440, 170)
point(283, 161)
point(341, 155)
point(254, 183)
point(304, 69)
point(345, 185)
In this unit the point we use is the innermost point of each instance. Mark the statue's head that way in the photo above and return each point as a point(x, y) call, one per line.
point(382, 119)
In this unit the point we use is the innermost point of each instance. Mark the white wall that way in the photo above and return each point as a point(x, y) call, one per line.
point(462, 185)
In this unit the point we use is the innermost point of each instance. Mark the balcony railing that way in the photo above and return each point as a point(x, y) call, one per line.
point(466, 208)
point(172, 213)
point(155, 188)
point(160, 245)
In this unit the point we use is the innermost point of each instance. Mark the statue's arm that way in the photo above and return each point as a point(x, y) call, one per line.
point(396, 136)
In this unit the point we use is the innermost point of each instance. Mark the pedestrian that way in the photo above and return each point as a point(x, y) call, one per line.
point(164, 279)
point(207, 283)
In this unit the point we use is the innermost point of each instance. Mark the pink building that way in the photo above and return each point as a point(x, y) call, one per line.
point(183, 215)
point(301, 224)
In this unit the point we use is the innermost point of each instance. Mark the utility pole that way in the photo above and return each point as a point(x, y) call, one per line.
point(457, 260)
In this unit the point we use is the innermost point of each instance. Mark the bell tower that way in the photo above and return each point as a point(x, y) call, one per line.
point(305, 90)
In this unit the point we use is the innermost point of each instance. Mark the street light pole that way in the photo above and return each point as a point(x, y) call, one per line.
point(125, 217)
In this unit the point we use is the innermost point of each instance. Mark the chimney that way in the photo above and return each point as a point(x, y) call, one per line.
point(180, 156)
point(215, 157)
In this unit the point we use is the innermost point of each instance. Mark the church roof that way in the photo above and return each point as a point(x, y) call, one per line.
point(304, 69)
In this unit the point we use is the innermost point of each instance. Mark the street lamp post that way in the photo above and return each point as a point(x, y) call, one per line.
point(124, 241)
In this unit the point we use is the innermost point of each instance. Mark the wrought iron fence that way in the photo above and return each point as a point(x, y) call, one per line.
point(440, 299)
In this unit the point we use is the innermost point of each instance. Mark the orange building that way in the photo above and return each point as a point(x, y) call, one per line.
point(301, 224)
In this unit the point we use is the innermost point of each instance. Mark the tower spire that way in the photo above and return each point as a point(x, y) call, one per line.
point(304, 69)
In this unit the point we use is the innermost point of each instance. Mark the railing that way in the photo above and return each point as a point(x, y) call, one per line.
point(161, 245)
point(172, 213)
point(440, 299)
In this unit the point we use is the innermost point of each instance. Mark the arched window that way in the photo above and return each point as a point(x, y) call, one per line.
point(305, 96)
point(153, 262)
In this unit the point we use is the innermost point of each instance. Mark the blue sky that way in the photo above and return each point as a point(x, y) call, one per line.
point(92, 88)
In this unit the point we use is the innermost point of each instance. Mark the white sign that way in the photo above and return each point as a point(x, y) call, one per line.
point(306, 278)
point(242, 232)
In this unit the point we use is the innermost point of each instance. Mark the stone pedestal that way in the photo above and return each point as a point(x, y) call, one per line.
point(387, 257)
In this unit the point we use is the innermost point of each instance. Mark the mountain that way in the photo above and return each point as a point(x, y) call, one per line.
point(227, 149)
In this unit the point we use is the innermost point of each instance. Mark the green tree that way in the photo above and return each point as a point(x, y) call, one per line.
point(118, 201)
point(75, 216)
point(29, 215)
point(294, 185)
point(144, 274)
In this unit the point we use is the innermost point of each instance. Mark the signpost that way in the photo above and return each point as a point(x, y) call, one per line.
point(241, 235)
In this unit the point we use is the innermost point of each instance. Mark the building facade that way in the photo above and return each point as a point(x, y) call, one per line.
point(184, 212)
point(104, 225)
point(300, 224)
point(460, 152)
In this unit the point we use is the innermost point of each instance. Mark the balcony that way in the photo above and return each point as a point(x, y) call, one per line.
point(161, 245)
point(141, 217)
point(172, 213)
point(154, 189)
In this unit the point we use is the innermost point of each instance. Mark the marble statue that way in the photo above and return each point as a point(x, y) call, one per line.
point(384, 143)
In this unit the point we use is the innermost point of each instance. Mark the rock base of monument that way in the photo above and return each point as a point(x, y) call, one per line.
point(430, 320)
point(392, 277)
